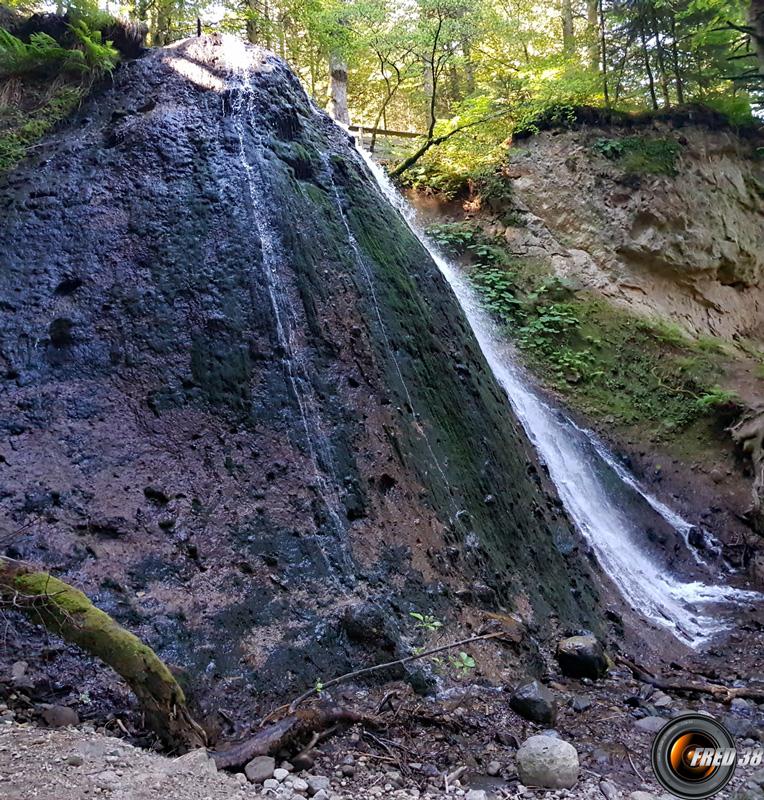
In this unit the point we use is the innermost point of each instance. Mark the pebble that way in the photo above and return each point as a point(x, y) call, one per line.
point(640, 795)
point(75, 760)
point(494, 768)
point(300, 785)
point(280, 774)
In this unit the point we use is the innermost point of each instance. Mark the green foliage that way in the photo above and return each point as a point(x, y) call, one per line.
point(43, 56)
point(19, 129)
point(462, 663)
point(641, 155)
point(99, 57)
point(716, 398)
point(426, 622)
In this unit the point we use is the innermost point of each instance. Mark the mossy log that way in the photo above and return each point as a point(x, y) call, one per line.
point(68, 613)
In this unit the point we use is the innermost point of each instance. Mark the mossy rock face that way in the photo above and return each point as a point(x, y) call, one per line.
point(256, 335)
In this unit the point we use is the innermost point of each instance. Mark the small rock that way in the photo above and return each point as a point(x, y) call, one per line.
point(348, 770)
point(493, 769)
point(317, 783)
point(548, 763)
point(476, 794)
point(300, 785)
point(534, 702)
point(106, 779)
point(303, 761)
point(639, 795)
point(582, 657)
point(320, 795)
point(280, 774)
point(270, 783)
point(609, 790)
point(241, 778)
point(260, 769)
point(581, 702)
point(75, 760)
point(60, 716)
point(195, 762)
point(650, 724)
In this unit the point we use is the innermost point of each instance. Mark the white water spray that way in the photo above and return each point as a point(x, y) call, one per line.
point(596, 490)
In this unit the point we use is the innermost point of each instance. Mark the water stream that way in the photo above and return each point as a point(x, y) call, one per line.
point(295, 365)
point(604, 501)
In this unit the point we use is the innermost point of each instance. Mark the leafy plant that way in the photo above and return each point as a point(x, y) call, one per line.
point(44, 56)
point(716, 398)
point(41, 55)
point(463, 662)
point(426, 622)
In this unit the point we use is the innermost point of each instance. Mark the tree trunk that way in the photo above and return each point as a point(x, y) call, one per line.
point(338, 89)
point(756, 20)
point(593, 32)
point(568, 32)
point(648, 67)
point(603, 47)
point(678, 82)
point(67, 612)
point(661, 59)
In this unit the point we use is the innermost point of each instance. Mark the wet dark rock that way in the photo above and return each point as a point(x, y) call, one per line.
point(581, 703)
point(168, 368)
point(369, 624)
point(582, 657)
point(650, 724)
point(534, 702)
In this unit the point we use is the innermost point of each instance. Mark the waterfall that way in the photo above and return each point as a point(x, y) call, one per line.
point(294, 362)
point(604, 501)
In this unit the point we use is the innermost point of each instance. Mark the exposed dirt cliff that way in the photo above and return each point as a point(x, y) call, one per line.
point(677, 233)
point(240, 406)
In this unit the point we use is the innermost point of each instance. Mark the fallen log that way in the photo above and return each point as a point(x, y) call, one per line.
point(68, 613)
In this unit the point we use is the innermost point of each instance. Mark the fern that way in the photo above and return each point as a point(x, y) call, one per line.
point(44, 56)
point(100, 57)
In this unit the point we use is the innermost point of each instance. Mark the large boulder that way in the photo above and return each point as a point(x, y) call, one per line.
point(582, 657)
point(547, 762)
point(534, 702)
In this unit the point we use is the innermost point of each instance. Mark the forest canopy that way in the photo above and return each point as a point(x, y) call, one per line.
point(464, 74)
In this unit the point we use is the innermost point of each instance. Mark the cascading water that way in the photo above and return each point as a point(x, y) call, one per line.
point(604, 501)
point(295, 367)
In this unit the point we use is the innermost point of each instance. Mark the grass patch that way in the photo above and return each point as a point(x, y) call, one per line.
point(641, 155)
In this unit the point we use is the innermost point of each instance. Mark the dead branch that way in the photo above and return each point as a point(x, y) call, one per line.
point(278, 735)
point(726, 694)
point(399, 661)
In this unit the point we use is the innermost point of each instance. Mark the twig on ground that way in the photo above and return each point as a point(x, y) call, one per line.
point(368, 670)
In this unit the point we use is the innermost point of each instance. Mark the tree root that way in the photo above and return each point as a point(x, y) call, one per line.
point(285, 732)
point(725, 694)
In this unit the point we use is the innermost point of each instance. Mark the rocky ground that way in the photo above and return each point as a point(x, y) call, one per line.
point(471, 740)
